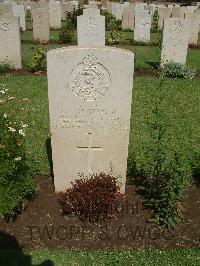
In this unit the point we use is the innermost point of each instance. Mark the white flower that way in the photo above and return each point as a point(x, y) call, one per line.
point(18, 159)
point(2, 92)
point(11, 129)
point(10, 98)
point(5, 115)
point(22, 132)
point(24, 125)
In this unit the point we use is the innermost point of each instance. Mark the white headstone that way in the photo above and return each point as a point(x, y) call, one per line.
point(178, 12)
point(54, 14)
point(175, 41)
point(90, 112)
point(40, 24)
point(128, 17)
point(142, 26)
point(163, 13)
point(91, 28)
point(10, 43)
point(193, 25)
point(5, 9)
point(19, 12)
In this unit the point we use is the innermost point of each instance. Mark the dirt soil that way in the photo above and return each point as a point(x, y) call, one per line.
point(42, 225)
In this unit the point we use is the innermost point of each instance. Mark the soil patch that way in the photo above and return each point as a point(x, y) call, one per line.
point(42, 225)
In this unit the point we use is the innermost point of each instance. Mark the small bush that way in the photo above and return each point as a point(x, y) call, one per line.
point(4, 68)
point(38, 60)
point(115, 35)
point(93, 199)
point(16, 186)
point(66, 33)
point(176, 70)
point(193, 46)
point(72, 16)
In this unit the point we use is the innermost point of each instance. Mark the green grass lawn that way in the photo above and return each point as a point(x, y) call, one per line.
point(175, 257)
point(181, 104)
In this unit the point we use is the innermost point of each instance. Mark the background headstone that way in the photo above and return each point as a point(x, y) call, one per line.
point(19, 11)
point(163, 13)
point(175, 41)
point(54, 14)
point(40, 24)
point(91, 28)
point(142, 26)
point(10, 43)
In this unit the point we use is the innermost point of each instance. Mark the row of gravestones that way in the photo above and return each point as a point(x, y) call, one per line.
point(91, 32)
point(48, 12)
point(138, 17)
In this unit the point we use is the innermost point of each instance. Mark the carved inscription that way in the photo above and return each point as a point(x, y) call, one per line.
point(89, 119)
point(5, 26)
point(90, 80)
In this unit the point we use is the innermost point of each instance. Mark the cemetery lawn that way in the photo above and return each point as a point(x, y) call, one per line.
point(181, 103)
point(182, 257)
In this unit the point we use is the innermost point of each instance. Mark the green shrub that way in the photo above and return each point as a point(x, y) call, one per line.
point(38, 60)
point(4, 68)
point(93, 199)
point(165, 175)
point(66, 33)
point(72, 16)
point(115, 35)
point(16, 185)
point(176, 70)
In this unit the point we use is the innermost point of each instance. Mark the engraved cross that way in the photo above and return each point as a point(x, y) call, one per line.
point(90, 148)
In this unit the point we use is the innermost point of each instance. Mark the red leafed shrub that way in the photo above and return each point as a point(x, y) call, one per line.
point(193, 46)
point(93, 199)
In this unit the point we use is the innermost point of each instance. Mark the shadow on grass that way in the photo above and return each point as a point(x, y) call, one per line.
point(11, 253)
point(154, 65)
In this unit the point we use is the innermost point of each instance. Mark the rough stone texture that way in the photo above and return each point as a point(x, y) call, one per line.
point(142, 26)
point(163, 13)
point(191, 9)
point(5, 9)
point(54, 14)
point(197, 15)
point(193, 25)
point(119, 11)
point(40, 24)
point(178, 12)
point(19, 12)
point(91, 28)
point(175, 41)
point(10, 43)
point(140, 7)
point(128, 17)
point(90, 109)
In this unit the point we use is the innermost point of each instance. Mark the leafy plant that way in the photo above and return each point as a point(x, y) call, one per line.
point(114, 36)
point(38, 60)
point(94, 199)
point(166, 178)
point(176, 70)
point(16, 186)
point(4, 68)
point(72, 16)
point(66, 33)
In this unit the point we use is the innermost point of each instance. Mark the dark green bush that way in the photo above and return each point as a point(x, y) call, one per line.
point(66, 33)
point(72, 16)
point(16, 185)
